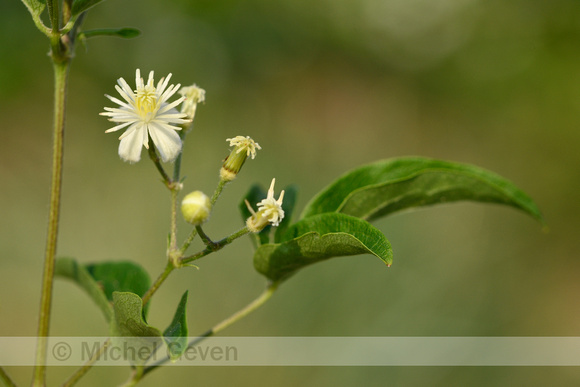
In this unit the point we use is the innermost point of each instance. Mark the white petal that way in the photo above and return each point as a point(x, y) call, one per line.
point(131, 145)
point(166, 140)
point(118, 127)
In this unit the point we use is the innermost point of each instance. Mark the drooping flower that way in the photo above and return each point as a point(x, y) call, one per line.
point(269, 211)
point(146, 113)
point(193, 95)
point(244, 147)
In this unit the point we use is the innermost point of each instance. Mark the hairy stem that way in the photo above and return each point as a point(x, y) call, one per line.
point(252, 306)
point(6, 379)
point(60, 82)
point(74, 378)
point(162, 277)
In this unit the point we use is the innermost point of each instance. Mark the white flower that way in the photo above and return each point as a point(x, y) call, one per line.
point(193, 95)
point(244, 144)
point(269, 210)
point(146, 113)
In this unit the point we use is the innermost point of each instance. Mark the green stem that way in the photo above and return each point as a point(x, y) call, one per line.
point(6, 379)
point(218, 191)
point(162, 277)
point(155, 158)
point(206, 240)
point(215, 246)
point(60, 82)
point(188, 241)
point(85, 368)
point(252, 306)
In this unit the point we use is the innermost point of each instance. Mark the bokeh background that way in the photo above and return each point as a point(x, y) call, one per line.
point(323, 86)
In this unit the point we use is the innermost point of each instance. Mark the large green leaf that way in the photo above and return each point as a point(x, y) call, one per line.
point(175, 336)
point(318, 238)
point(71, 269)
point(130, 331)
point(121, 276)
point(384, 187)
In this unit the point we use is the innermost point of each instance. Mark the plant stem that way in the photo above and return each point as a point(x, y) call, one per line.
point(60, 82)
point(218, 191)
point(162, 277)
point(214, 246)
point(85, 368)
point(155, 158)
point(252, 306)
point(6, 379)
point(188, 241)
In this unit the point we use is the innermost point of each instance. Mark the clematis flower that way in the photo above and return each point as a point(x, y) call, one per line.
point(146, 113)
point(244, 147)
point(269, 211)
point(193, 95)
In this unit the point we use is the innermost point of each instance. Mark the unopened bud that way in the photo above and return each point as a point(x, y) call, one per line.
point(196, 207)
point(243, 148)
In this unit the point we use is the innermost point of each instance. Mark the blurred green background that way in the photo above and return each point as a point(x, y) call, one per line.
point(323, 86)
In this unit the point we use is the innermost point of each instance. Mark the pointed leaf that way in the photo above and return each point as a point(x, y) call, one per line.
point(126, 33)
point(318, 238)
point(80, 6)
point(391, 185)
point(175, 336)
point(130, 331)
point(71, 269)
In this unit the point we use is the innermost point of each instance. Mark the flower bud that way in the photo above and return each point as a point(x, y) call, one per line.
point(243, 148)
point(196, 207)
point(269, 211)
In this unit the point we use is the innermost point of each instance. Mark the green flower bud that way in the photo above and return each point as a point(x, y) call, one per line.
point(196, 207)
point(243, 148)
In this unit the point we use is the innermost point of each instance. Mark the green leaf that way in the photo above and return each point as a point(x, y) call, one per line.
point(130, 330)
point(126, 33)
point(317, 238)
point(71, 269)
point(386, 186)
point(35, 7)
point(80, 6)
point(175, 336)
point(122, 276)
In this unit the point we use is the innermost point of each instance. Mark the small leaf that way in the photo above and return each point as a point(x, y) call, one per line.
point(130, 330)
point(317, 238)
point(35, 7)
point(123, 276)
point(290, 196)
point(71, 269)
point(80, 6)
point(126, 33)
point(384, 187)
point(175, 336)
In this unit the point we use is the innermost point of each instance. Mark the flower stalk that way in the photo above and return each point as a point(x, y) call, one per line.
point(60, 82)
